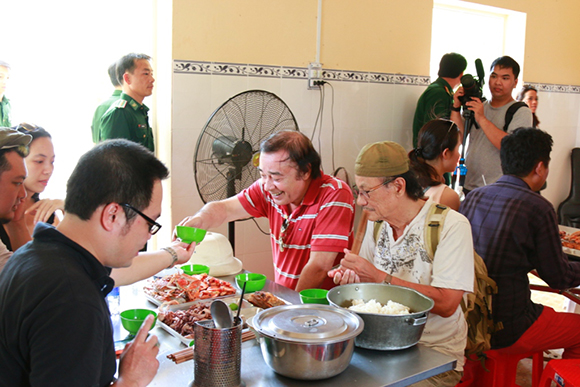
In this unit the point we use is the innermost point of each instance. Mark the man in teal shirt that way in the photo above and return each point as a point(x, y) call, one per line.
point(105, 105)
point(127, 117)
point(4, 102)
point(437, 99)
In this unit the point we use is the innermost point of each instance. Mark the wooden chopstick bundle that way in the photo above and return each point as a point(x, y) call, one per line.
point(187, 353)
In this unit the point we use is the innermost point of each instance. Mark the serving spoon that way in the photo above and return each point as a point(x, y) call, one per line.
point(221, 315)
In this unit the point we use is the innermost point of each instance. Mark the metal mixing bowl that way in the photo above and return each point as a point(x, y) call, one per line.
point(307, 342)
point(385, 332)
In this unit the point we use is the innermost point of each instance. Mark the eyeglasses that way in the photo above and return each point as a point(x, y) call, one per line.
point(282, 234)
point(25, 127)
point(153, 225)
point(366, 193)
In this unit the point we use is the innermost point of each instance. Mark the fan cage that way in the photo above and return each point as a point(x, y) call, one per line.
point(222, 167)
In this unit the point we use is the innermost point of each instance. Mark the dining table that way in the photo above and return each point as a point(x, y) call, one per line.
point(368, 368)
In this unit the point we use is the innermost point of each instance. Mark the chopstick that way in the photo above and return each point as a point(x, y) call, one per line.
point(358, 236)
point(360, 233)
point(187, 353)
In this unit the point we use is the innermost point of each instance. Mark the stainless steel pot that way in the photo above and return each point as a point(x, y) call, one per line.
point(307, 342)
point(385, 332)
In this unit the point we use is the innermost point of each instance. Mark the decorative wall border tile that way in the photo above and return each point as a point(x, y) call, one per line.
point(553, 88)
point(256, 70)
point(237, 69)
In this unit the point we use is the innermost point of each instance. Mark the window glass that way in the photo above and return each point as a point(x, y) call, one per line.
point(476, 31)
point(59, 52)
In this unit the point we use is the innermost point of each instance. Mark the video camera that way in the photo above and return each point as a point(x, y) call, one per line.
point(473, 87)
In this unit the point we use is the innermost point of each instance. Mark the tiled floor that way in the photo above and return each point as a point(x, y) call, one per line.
point(556, 301)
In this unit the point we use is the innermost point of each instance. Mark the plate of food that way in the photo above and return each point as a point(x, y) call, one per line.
point(178, 320)
point(265, 300)
point(570, 240)
point(180, 288)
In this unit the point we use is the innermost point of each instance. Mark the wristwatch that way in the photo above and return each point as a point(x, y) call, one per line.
point(456, 109)
point(174, 256)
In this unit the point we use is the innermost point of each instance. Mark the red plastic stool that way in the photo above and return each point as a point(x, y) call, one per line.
point(501, 368)
point(564, 372)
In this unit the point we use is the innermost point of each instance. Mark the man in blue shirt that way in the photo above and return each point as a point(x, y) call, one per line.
point(515, 230)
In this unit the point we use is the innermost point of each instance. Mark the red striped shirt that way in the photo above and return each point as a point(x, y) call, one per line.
point(323, 222)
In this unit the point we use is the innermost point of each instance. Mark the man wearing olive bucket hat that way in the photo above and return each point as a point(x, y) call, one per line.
point(389, 192)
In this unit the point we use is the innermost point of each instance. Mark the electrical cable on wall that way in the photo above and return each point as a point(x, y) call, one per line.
point(321, 104)
point(259, 228)
point(332, 121)
point(321, 119)
point(318, 124)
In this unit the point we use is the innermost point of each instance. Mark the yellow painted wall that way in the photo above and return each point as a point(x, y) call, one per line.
point(390, 36)
point(368, 35)
point(552, 35)
point(269, 32)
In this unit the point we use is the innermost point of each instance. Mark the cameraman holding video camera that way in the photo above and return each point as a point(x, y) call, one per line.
point(482, 156)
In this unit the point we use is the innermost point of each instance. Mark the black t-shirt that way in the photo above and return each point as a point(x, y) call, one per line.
point(55, 328)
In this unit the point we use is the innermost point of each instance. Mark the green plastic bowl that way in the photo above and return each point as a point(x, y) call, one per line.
point(254, 281)
point(195, 269)
point(314, 296)
point(132, 319)
point(190, 234)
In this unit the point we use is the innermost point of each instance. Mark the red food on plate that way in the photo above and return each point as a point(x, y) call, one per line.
point(180, 288)
point(572, 241)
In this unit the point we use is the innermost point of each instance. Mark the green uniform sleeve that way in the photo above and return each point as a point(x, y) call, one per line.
point(114, 124)
point(440, 104)
point(434, 103)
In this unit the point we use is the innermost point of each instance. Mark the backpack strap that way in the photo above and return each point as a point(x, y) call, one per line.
point(510, 114)
point(433, 226)
point(377, 229)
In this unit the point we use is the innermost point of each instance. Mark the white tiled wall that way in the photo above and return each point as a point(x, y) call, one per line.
point(363, 112)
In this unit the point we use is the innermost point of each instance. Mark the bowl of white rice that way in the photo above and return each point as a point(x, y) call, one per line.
point(394, 316)
point(373, 306)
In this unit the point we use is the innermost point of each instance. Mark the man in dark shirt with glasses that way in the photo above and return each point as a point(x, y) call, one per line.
point(55, 328)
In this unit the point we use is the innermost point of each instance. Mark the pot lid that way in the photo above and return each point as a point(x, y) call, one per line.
point(311, 323)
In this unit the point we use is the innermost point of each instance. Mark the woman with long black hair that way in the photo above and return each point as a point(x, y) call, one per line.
point(437, 152)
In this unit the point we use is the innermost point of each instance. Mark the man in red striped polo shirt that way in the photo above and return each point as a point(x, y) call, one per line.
point(311, 214)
